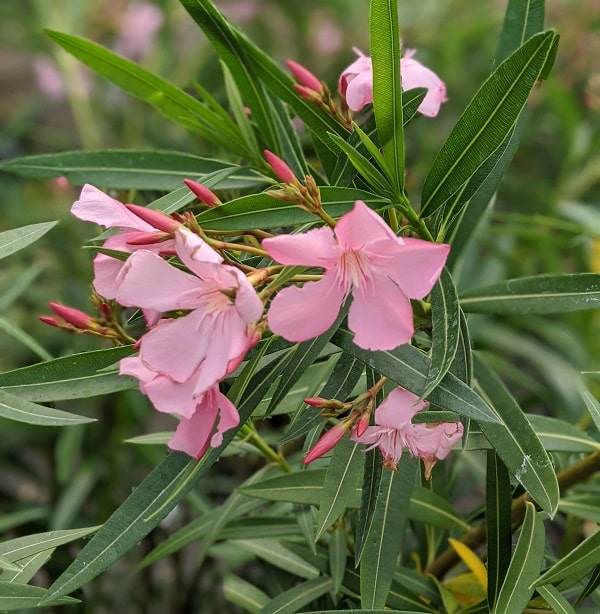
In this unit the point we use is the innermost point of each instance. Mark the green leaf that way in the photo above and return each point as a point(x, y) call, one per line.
point(486, 121)
point(462, 367)
point(408, 367)
point(522, 19)
point(524, 566)
point(385, 538)
point(278, 555)
point(586, 506)
point(593, 406)
point(515, 441)
point(264, 211)
point(343, 478)
point(27, 568)
point(498, 497)
point(338, 553)
point(298, 487)
point(21, 410)
point(592, 584)
point(132, 169)
point(12, 241)
point(555, 600)
point(427, 507)
point(244, 594)
point(575, 564)
point(171, 101)
point(368, 501)
point(387, 88)
point(8, 565)
point(15, 596)
point(68, 377)
point(445, 316)
point(294, 599)
point(539, 294)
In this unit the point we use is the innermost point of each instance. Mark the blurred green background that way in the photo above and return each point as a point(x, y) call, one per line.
point(546, 220)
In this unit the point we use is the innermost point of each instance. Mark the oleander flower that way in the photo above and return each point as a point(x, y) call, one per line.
point(362, 257)
point(356, 83)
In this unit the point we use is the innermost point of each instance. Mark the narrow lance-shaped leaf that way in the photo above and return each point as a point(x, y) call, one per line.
point(368, 501)
point(524, 566)
point(338, 553)
point(384, 544)
point(173, 102)
point(555, 600)
point(244, 594)
point(486, 121)
point(515, 441)
point(522, 20)
point(540, 294)
point(14, 596)
point(344, 477)
point(294, 599)
point(387, 88)
point(12, 241)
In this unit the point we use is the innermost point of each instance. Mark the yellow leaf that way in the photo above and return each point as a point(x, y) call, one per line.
point(471, 560)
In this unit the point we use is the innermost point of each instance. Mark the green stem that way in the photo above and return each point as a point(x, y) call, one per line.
point(249, 434)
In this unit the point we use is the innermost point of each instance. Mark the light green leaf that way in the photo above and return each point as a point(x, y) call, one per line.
point(171, 101)
point(21, 410)
point(445, 317)
point(298, 487)
point(487, 120)
point(524, 566)
point(540, 294)
point(244, 594)
point(515, 441)
point(427, 507)
point(575, 564)
point(593, 406)
point(15, 596)
point(387, 87)
point(555, 600)
point(386, 536)
point(294, 599)
point(8, 565)
point(19, 335)
point(343, 478)
point(12, 241)
point(264, 211)
point(586, 506)
point(131, 169)
point(408, 367)
point(275, 554)
point(338, 553)
point(28, 567)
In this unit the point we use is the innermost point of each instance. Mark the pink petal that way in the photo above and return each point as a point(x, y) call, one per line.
point(192, 249)
point(193, 434)
point(247, 302)
point(96, 206)
point(106, 270)
point(359, 91)
point(380, 315)
point(433, 441)
point(228, 417)
point(398, 409)
point(150, 282)
point(361, 226)
point(418, 266)
point(171, 397)
point(315, 248)
point(298, 314)
point(414, 74)
point(371, 435)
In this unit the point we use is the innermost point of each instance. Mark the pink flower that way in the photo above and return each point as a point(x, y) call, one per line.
point(394, 431)
point(198, 348)
point(327, 441)
point(356, 83)
point(96, 206)
point(138, 26)
point(361, 256)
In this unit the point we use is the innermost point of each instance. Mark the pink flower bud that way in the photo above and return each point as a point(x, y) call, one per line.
point(327, 441)
point(280, 168)
point(361, 425)
point(159, 220)
point(72, 316)
point(148, 238)
point(317, 402)
point(49, 320)
point(307, 93)
point(202, 193)
point(305, 77)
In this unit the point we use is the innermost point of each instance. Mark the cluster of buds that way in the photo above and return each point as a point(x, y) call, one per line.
point(317, 92)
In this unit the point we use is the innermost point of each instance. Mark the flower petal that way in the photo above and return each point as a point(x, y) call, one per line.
point(106, 270)
point(418, 266)
point(359, 91)
point(362, 226)
point(414, 74)
point(433, 441)
point(192, 249)
point(228, 417)
point(96, 206)
point(380, 315)
point(315, 248)
point(193, 434)
point(398, 409)
point(298, 314)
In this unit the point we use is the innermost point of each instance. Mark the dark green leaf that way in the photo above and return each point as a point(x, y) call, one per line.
point(540, 294)
point(487, 120)
point(555, 600)
point(338, 553)
point(14, 596)
point(295, 598)
point(368, 501)
point(522, 19)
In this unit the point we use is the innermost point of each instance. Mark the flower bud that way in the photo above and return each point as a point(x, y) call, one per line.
point(202, 193)
point(317, 402)
point(307, 93)
point(361, 425)
point(70, 315)
point(280, 168)
point(148, 238)
point(327, 441)
point(159, 220)
point(305, 77)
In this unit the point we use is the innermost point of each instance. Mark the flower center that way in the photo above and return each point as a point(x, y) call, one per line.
point(355, 267)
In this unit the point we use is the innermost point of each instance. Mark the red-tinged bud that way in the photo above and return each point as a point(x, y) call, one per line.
point(49, 320)
point(148, 238)
point(280, 168)
point(305, 77)
point(159, 220)
point(327, 442)
point(73, 316)
point(202, 193)
point(106, 310)
point(307, 93)
point(361, 425)
point(317, 402)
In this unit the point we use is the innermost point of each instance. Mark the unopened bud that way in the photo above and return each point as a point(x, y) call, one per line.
point(148, 238)
point(72, 316)
point(305, 77)
point(307, 93)
point(317, 402)
point(280, 168)
point(327, 441)
point(361, 425)
point(202, 193)
point(49, 320)
point(158, 219)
